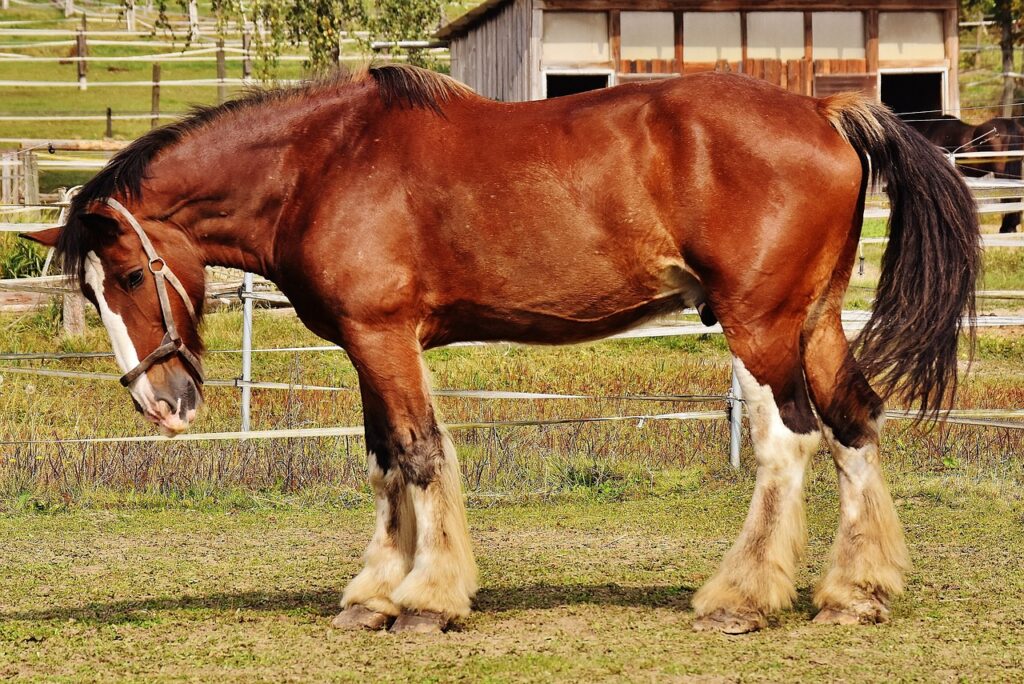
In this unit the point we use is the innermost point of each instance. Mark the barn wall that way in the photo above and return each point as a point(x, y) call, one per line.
point(494, 58)
point(807, 46)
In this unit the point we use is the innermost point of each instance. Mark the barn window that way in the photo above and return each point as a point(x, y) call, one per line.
point(575, 38)
point(775, 35)
point(910, 36)
point(838, 35)
point(913, 91)
point(569, 83)
point(647, 35)
point(711, 36)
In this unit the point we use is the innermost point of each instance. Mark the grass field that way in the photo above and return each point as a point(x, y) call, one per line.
point(200, 561)
point(571, 591)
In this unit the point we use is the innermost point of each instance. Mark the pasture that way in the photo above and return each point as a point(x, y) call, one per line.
point(203, 560)
point(582, 589)
point(223, 560)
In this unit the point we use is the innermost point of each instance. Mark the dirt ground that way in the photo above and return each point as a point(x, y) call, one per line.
point(572, 591)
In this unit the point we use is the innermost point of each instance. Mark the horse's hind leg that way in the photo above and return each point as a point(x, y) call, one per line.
point(869, 557)
point(419, 565)
point(756, 576)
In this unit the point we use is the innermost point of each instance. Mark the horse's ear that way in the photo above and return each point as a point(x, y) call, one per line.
point(101, 219)
point(47, 237)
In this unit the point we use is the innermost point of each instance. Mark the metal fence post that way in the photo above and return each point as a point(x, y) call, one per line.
point(735, 420)
point(246, 348)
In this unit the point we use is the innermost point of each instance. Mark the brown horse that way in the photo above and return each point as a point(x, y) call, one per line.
point(400, 211)
point(995, 135)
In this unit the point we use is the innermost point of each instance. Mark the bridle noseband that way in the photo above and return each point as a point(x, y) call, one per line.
point(162, 274)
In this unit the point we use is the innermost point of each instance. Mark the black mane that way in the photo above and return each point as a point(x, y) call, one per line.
point(398, 85)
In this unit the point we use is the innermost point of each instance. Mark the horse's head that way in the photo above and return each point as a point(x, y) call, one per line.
point(146, 281)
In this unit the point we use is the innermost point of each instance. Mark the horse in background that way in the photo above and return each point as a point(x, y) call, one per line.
point(995, 135)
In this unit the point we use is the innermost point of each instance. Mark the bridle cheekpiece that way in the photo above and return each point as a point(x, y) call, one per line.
point(162, 274)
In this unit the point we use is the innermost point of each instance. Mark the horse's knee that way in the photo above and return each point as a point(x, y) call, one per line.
point(421, 455)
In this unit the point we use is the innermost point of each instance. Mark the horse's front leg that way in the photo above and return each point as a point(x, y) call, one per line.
point(388, 558)
point(419, 565)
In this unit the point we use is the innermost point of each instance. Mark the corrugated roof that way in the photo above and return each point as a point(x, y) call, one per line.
point(461, 25)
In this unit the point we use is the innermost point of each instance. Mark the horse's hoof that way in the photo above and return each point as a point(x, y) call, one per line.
point(730, 621)
point(420, 622)
point(865, 612)
point(360, 617)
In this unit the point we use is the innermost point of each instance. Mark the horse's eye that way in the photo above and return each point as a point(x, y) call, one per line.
point(134, 279)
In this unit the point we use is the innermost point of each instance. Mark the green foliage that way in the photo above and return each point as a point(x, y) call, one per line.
point(19, 258)
point(406, 20)
point(321, 25)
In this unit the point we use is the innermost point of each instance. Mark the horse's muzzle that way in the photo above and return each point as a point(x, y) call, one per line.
point(175, 404)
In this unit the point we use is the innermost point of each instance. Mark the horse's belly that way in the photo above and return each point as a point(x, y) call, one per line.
point(558, 312)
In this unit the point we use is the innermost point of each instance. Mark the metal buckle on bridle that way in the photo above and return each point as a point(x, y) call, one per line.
point(162, 274)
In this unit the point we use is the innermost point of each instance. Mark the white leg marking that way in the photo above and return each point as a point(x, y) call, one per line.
point(758, 571)
point(444, 575)
point(869, 557)
point(388, 557)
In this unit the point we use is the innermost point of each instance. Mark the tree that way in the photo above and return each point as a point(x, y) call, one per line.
point(321, 24)
point(1008, 17)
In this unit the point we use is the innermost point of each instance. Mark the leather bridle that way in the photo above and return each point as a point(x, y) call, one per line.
point(162, 274)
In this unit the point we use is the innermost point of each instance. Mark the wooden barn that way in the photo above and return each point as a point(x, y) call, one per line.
point(902, 51)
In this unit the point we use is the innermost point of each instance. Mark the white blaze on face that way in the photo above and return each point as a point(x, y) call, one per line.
point(124, 350)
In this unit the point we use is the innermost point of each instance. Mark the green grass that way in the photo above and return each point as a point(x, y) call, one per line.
point(571, 591)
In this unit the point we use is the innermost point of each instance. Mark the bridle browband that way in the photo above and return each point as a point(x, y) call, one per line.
point(162, 274)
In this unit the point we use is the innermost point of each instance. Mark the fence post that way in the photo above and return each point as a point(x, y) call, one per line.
point(735, 420)
point(246, 49)
point(222, 89)
point(69, 8)
point(110, 123)
point(63, 198)
point(246, 348)
point(83, 51)
point(7, 185)
point(129, 14)
point(5, 4)
point(72, 313)
point(15, 171)
point(31, 170)
point(193, 20)
point(155, 106)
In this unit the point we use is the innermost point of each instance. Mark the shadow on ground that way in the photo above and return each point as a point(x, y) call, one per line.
point(324, 602)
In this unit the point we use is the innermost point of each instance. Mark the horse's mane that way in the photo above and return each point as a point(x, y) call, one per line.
point(399, 85)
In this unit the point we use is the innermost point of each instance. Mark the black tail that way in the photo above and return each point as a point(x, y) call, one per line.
point(930, 266)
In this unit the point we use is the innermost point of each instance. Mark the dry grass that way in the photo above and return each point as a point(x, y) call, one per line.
point(612, 460)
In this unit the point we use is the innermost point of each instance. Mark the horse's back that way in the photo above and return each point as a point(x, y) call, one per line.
point(605, 198)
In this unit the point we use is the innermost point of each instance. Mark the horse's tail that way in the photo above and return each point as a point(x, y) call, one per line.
point(930, 266)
